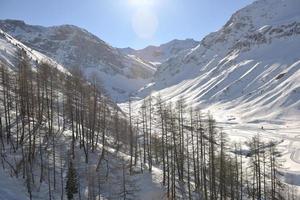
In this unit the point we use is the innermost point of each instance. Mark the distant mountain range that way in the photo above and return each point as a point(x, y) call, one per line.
point(159, 54)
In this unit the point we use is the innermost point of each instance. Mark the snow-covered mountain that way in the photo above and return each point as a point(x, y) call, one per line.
point(75, 47)
point(248, 71)
point(10, 56)
point(249, 68)
point(10, 47)
point(159, 54)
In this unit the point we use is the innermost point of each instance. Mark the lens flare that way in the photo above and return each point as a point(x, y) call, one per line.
point(144, 23)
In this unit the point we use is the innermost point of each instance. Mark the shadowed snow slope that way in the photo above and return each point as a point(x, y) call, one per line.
point(250, 67)
point(11, 188)
point(75, 47)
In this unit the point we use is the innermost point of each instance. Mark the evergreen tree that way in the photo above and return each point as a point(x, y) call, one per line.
point(72, 182)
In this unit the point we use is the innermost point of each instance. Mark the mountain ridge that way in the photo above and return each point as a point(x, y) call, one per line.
point(242, 45)
point(161, 53)
point(75, 47)
point(257, 43)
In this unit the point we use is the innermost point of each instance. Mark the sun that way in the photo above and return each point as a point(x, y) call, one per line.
point(141, 3)
point(144, 23)
point(144, 19)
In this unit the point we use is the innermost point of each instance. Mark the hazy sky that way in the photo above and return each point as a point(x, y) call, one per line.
point(122, 23)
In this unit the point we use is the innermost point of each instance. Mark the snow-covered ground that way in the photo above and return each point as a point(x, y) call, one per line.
point(143, 185)
point(286, 135)
point(8, 52)
point(11, 188)
point(247, 75)
point(245, 68)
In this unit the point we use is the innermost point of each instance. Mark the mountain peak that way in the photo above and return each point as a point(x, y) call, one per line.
point(75, 47)
point(163, 52)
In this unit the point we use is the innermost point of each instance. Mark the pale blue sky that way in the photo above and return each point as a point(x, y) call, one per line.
point(124, 23)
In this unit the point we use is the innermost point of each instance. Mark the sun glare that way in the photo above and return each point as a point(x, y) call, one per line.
point(144, 23)
point(144, 19)
point(141, 3)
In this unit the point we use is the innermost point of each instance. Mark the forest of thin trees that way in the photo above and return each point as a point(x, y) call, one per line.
point(198, 162)
point(50, 120)
point(52, 123)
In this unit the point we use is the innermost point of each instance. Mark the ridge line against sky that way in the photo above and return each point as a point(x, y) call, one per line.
point(128, 23)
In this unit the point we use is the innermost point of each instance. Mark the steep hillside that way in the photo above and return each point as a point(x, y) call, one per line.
point(10, 47)
point(250, 68)
point(75, 47)
point(159, 54)
point(41, 104)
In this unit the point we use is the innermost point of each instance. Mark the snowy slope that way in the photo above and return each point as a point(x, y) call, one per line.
point(247, 75)
point(12, 188)
point(75, 47)
point(249, 68)
point(159, 54)
point(9, 47)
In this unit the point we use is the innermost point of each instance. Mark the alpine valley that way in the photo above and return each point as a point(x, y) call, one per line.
point(136, 121)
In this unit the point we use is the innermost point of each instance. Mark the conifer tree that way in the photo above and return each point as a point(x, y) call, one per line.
point(72, 181)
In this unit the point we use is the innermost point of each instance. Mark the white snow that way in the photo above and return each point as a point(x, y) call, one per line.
point(73, 46)
point(247, 75)
point(10, 45)
point(11, 188)
point(239, 70)
point(156, 55)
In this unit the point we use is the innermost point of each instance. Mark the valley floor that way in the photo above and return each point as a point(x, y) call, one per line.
point(286, 134)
